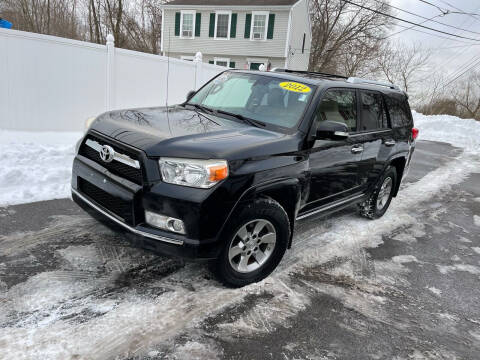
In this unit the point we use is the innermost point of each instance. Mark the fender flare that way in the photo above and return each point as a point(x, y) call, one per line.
point(401, 155)
point(290, 187)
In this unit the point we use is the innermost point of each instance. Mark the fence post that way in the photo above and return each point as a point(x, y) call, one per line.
point(110, 86)
point(198, 69)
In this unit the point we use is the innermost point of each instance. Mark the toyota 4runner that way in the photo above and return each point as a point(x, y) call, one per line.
point(226, 174)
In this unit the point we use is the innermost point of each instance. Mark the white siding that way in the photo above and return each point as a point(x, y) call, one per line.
point(270, 48)
point(241, 62)
point(299, 25)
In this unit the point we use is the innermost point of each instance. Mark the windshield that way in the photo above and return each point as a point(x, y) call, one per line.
point(265, 99)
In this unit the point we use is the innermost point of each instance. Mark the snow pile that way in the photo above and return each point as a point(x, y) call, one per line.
point(464, 133)
point(35, 166)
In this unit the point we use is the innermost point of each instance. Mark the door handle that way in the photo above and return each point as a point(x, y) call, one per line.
point(357, 149)
point(389, 142)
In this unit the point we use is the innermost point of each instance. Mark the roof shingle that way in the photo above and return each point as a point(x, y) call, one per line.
point(232, 2)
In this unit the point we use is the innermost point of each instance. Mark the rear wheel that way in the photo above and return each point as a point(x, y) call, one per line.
point(379, 201)
point(257, 240)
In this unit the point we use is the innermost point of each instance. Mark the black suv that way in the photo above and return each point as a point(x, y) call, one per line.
point(226, 174)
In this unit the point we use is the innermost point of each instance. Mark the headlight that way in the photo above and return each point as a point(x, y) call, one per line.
point(194, 173)
point(89, 123)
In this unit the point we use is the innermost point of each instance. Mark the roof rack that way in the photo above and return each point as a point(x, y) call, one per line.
point(352, 80)
point(355, 80)
point(312, 73)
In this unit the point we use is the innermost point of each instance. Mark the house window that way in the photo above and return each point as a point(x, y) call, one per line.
point(222, 62)
point(188, 24)
point(222, 25)
point(255, 63)
point(259, 25)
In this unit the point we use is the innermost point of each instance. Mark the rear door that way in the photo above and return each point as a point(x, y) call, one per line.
point(402, 124)
point(334, 163)
point(375, 134)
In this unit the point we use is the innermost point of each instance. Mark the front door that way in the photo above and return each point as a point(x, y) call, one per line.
point(334, 164)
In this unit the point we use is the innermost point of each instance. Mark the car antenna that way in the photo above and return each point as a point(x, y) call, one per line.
point(168, 75)
point(168, 68)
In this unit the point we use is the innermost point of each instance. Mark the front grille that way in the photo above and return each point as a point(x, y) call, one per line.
point(115, 167)
point(119, 207)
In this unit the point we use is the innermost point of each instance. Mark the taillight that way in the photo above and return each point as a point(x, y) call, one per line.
point(414, 133)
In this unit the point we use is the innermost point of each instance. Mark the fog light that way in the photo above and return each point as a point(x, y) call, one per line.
point(164, 222)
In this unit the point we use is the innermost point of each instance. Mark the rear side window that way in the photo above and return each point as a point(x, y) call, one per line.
point(373, 115)
point(408, 112)
point(399, 112)
point(339, 106)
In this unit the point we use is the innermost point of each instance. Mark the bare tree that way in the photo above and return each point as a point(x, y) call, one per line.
point(135, 24)
point(460, 99)
point(404, 65)
point(143, 26)
point(467, 96)
point(106, 16)
point(345, 37)
point(52, 17)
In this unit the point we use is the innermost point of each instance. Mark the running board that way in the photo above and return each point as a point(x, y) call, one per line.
point(333, 205)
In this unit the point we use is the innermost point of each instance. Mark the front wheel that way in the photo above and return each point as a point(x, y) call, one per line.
point(379, 201)
point(256, 241)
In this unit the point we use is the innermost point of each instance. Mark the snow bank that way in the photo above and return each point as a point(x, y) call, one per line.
point(464, 133)
point(35, 166)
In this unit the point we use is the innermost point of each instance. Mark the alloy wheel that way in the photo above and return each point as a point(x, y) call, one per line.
point(384, 193)
point(252, 245)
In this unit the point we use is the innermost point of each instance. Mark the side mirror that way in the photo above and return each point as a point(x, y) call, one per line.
point(190, 94)
point(332, 130)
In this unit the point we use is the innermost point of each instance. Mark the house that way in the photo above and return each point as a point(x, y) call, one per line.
point(239, 34)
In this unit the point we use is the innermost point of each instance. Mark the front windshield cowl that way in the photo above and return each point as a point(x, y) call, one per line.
point(258, 99)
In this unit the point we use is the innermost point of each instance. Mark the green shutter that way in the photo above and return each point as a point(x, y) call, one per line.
point(233, 26)
point(211, 62)
point(271, 24)
point(248, 24)
point(211, 30)
point(177, 24)
point(232, 64)
point(198, 23)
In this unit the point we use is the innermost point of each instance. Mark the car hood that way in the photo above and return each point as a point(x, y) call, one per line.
point(180, 132)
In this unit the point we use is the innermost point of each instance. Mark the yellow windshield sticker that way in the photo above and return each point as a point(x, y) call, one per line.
point(294, 86)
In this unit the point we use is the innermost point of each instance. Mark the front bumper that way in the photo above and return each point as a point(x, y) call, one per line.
point(85, 201)
point(143, 237)
point(121, 204)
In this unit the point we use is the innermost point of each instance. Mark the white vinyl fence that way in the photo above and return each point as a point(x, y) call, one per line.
point(54, 84)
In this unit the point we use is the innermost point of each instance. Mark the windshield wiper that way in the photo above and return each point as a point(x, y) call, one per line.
point(201, 107)
point(243, 118)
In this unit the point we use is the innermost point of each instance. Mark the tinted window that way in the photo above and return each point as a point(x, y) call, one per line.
point(373, 115)
point(408, 112)
point(399, 113)
point(339, 106)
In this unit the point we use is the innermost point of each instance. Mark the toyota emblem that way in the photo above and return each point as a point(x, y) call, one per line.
point(107, 153)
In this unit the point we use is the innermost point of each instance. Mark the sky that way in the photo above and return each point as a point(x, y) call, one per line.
point(450, 54)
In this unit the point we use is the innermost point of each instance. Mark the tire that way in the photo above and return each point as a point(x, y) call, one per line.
point(379, 201)
point(240, 263)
